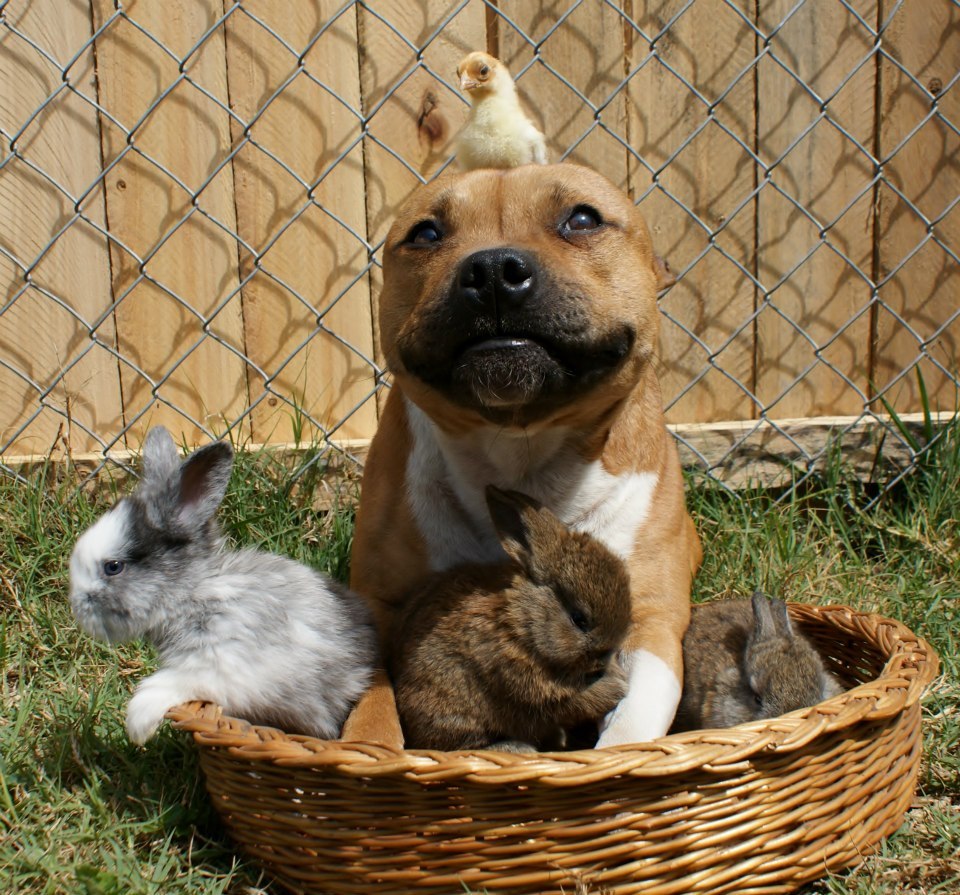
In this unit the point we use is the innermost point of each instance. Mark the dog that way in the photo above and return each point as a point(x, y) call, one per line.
point(519, 320)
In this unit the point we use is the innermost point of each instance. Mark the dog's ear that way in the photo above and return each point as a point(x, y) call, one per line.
point(664, 273)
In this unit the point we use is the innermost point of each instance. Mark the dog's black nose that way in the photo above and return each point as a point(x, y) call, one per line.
point(496, 279)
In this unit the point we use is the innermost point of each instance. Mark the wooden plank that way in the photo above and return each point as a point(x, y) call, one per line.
point(39, 337)
point(339, 467)
point(413, 114)
point(346, 452)
point(587, 50)
point(740, 453)
point(919, 294)
point(313, 128)
point(770, 453)
point(701, 187)
point(190, 263)
point(813, 299)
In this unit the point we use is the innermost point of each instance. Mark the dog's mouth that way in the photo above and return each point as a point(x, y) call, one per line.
point(503, 371)
point(506, 371)
point(573, 358)
point(497, 344)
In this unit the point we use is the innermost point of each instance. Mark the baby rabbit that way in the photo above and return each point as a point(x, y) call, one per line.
point(509, 655)
point(265, 637)
point(743, 661)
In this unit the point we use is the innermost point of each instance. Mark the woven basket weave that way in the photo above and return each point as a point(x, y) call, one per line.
point(763, 807)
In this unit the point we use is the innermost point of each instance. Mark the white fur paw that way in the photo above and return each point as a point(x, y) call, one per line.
point(625, 725)
point(646, 712)
point(145, 711)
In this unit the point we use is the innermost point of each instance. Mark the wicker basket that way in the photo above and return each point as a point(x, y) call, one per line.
point(763, 807)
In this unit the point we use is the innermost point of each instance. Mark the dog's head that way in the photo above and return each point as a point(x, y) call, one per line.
point(515, 296)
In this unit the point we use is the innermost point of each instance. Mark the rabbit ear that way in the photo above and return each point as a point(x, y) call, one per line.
point(770, 617)
point(780, 617)
point(160, 458)
point(519, 521)
point(203, 481)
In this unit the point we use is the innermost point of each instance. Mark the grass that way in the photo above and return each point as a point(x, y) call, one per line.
point(85, 813)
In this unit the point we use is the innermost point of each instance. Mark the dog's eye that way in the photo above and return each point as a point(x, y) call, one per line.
point(582, 219)
point(113, 567)
point(424, 233)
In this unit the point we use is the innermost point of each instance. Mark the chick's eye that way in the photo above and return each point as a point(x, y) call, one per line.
point(113, 567)
point(582, 220)
point(484, 70)
point(424, 233)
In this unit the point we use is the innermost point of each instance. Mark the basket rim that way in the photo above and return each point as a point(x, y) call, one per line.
point(911, 665)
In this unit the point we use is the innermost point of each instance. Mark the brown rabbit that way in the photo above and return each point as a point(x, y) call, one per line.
point(508, 656)
point(743, 661)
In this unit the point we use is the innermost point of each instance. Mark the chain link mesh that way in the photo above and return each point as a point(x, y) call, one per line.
point(796, 161)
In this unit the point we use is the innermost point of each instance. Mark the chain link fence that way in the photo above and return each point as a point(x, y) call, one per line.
point(194, 197)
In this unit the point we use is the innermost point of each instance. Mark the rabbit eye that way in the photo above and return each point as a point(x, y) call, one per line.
point(113, 567)
point(757, 698)
point(579, 618)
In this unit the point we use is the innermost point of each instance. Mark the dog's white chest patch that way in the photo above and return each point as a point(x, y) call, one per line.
point(611, 508)
point(453, 534)
point(446, 481)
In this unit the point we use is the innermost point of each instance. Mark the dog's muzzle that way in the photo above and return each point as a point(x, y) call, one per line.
point(510, 340)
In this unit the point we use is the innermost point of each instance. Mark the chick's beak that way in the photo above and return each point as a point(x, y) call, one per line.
point(467, 83)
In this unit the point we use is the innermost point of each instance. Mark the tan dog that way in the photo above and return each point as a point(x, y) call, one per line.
point(519, 320)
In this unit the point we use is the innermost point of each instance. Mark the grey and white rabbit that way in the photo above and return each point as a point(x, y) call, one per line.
point(265, 637)
point(743, 661)
point(509, 656)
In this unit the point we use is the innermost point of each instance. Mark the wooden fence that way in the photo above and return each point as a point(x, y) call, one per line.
point(193, 195)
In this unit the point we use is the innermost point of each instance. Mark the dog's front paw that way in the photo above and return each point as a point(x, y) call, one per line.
point(517, 746)
point(646, 712)
point(625, 725)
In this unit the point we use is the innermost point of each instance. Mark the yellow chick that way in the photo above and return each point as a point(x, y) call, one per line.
point(497, 133)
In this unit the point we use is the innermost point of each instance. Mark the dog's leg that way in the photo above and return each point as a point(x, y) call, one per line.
point(653, 650)
point(374, 718)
